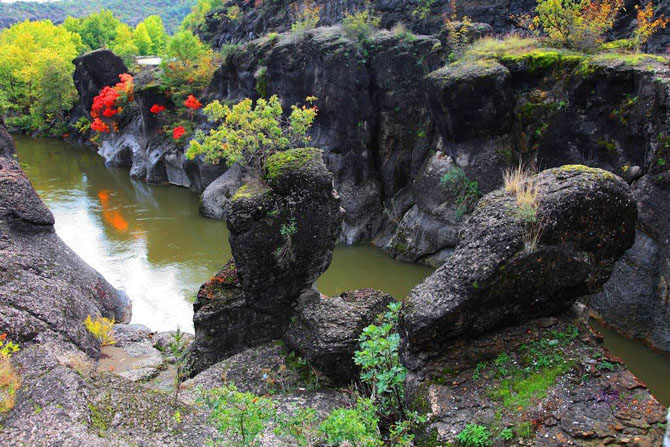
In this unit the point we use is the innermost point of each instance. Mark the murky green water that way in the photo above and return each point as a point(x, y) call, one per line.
point(150, 241)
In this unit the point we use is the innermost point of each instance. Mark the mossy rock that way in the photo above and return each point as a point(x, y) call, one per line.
point(292, 160)
point(249, 190)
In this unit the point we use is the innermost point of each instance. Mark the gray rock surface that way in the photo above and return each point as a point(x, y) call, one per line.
point(62, 401)
point(46, 290)
point(215, 200)
point(326, 331)
point(493, 279)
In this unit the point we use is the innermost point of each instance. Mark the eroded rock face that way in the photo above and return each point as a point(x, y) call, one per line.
point(326, 331)
point(493, 279)
point(584, 405)
point(46, 290)
point(373, 123)
point(215, 201)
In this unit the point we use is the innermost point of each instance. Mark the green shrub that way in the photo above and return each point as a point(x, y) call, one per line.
point(475, 435)
point(360, 25)
point(356, 426)
point(249, 134)
point(305, 16)
point(242, 417)
point(577, 24)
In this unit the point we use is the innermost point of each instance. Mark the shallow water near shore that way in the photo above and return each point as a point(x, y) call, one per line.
point(150, 242)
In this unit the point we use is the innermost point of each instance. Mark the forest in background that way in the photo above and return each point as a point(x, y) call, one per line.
point(171, 11)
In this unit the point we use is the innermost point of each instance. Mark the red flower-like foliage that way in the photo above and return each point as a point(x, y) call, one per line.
point(99, 126)
point(106, 104)
point(157, 108)
point(178, 132)
point(192, 102)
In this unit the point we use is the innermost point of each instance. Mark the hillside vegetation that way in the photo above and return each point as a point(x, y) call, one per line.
point(171, 11)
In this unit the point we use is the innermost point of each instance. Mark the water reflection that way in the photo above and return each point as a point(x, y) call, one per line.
point(152, 243)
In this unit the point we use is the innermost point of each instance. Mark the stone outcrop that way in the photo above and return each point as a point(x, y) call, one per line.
point(584, 395)
point(282, 234)
point(46, 290)
point(64, 401)
point(216, 198)
point(498, 275)
point(326, 331)
point(256, 19)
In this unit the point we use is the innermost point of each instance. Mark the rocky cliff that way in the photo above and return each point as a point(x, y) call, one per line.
point(256, 19)
point(413, 142)
point(46, 290)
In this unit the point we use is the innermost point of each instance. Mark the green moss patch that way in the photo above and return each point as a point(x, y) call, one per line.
point(249, 190)
point(290, 160)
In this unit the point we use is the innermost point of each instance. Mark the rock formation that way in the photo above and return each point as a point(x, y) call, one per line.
point(46, 290)
point(509, 268)
point(282, 233)
point(7, 148)
point(326, 331)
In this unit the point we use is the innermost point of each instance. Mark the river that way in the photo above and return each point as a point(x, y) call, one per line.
point(150, 242)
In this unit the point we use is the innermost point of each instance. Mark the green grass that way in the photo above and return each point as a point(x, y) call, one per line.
point(519, 391)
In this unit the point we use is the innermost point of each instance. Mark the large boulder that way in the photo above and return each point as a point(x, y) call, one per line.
point(475, 98)
point(282, 234)
point(225, 323)
point(506, 270)
point(46, 290)
point(94, 71)
point(326, 331)
point(283, 230)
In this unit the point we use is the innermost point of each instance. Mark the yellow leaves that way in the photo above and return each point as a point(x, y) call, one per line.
point(101, 328)
point(646, 25)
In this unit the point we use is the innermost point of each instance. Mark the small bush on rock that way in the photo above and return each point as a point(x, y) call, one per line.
point(305, 16)
point(576, 24)
point(352, 426)
point(249, 134)
point(242, 417)
point(102, 328)
point(360, 25)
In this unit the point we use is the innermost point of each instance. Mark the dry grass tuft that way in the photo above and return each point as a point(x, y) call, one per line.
point(77, 361)
point(9, 384)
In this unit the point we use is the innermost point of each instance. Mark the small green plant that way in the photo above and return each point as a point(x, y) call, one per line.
point(422, 10)
point(9, 378)
point(502, 362)
point(380, 364)
point(475, 435)
point(606, 366)
point(102, 328)
point(360, 25)
point(305, 16)
point(481, 366)
point(285, 253)
point(524, 430)
point(356, 426)
point(467, 190)
point(178, 349)
point(303, 426)
point(506, 434)
point(242, 417)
